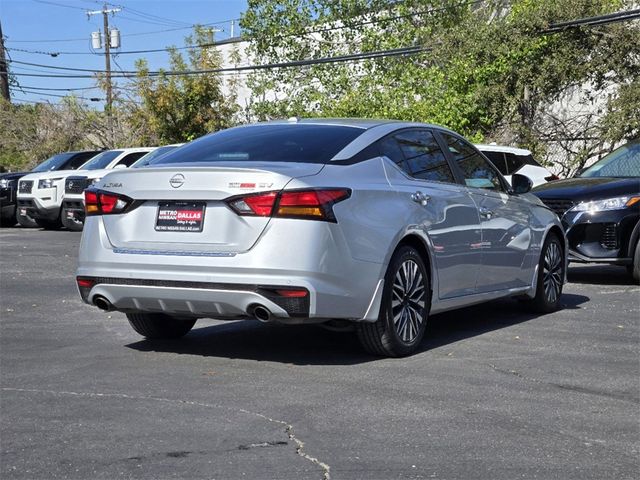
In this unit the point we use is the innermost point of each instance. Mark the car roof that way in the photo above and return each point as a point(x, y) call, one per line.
point(502, 148)
point(364, 123)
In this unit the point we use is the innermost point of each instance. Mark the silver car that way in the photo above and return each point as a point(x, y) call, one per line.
point(371, 224)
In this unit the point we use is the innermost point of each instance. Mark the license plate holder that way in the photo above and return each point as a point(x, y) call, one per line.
point(180, 216)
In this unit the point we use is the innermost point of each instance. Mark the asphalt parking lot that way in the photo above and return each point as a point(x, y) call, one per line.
point(495, 392)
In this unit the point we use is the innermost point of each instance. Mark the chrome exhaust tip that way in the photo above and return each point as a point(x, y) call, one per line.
point(103, 304)
point(261, 313)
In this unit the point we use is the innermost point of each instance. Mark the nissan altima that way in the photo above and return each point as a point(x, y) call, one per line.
point(368, 224)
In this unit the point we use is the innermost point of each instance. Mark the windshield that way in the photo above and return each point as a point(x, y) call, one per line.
point(158, 152)
point(101, 160)
point(53, 163)
point(305, 143)
point(622, 162)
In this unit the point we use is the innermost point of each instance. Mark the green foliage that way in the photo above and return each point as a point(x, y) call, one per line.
point(32, 133)
point(488, 73)
point(181, 108)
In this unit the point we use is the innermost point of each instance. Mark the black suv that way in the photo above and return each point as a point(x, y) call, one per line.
point(600, 209)
point(9, 182)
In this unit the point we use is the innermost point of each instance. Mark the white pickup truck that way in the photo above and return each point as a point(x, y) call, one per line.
point(73, 201)
point(40, 194)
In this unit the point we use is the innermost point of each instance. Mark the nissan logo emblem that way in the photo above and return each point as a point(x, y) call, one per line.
point(177, 180)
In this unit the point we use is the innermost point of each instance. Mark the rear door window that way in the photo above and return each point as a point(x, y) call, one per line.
point(424, 158)
point(79, 159)
point(130, 159)
point(497, 158)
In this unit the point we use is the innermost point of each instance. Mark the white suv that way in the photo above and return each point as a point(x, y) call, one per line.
point(73, 201)
point(40, 194)
point(510, 160)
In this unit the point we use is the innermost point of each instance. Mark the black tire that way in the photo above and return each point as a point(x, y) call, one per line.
point(156, 326)
point(26, 221)
point(71, 223)
point(634, 269)
point(49, 224)
point(406, 284)
point(551, 273)
point(8, 221)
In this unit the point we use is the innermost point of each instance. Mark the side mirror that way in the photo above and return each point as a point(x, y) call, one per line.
point(520, 183)
point(119, 166)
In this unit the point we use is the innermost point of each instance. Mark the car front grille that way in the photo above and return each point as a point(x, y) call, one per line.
point(558, 205)
point(609, 237)
point(25, 186)
point(75, 185)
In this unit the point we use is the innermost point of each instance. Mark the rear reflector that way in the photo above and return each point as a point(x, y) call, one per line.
point(85, 282)
point(312, 204)
point(84, 286)
point(292, 293)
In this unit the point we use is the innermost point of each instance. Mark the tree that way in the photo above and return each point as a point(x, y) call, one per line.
point(488, 70)
point(179, 108)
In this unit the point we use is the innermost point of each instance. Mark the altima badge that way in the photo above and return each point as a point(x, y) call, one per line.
point(177, 180)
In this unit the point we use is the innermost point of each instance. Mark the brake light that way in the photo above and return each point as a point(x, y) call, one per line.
point(261, 204)
point(552, 177)
point(312, 204)
point(97, 202)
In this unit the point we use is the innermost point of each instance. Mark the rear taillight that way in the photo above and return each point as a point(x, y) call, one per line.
point(310, 204)
point(97, 202)
point(552, 177)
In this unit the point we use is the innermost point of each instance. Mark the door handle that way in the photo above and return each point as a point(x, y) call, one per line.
point(485, 212)
point(420, 198)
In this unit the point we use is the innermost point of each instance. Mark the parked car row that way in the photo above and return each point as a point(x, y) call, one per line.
point(52, 194)
point(363, 224)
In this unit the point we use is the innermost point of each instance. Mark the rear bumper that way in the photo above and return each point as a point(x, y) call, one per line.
point(230, 285)
point(197, 299)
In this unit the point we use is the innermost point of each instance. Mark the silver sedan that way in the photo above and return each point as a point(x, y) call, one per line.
point(368, 224)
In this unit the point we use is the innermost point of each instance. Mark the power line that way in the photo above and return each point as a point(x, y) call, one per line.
point(59, 89)
point(26, 90)
point(591, 21)
point(152, 32)
point(59, 4)
point(268, 66)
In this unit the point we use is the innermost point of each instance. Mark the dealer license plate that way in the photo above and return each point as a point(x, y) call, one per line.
point(180, 216)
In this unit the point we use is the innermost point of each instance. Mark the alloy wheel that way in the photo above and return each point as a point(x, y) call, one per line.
point(552, 273)
point(408, 301)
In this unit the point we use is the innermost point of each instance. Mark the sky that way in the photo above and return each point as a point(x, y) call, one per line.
point(59, 26)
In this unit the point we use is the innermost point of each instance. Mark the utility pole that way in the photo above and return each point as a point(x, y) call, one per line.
point(107, 58)
point(4, 74)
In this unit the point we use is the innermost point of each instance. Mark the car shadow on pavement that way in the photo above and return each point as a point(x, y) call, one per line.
point(599, 275)
point(313, 345)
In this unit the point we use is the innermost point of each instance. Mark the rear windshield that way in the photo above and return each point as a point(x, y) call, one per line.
point(266, 143)
point(509, 163)
point(101, 160)
point(158, 152)
point(53, 163)
point(623, 162)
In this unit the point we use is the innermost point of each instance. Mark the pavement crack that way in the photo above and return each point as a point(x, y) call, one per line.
point(262, 444)
point(288, 428)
